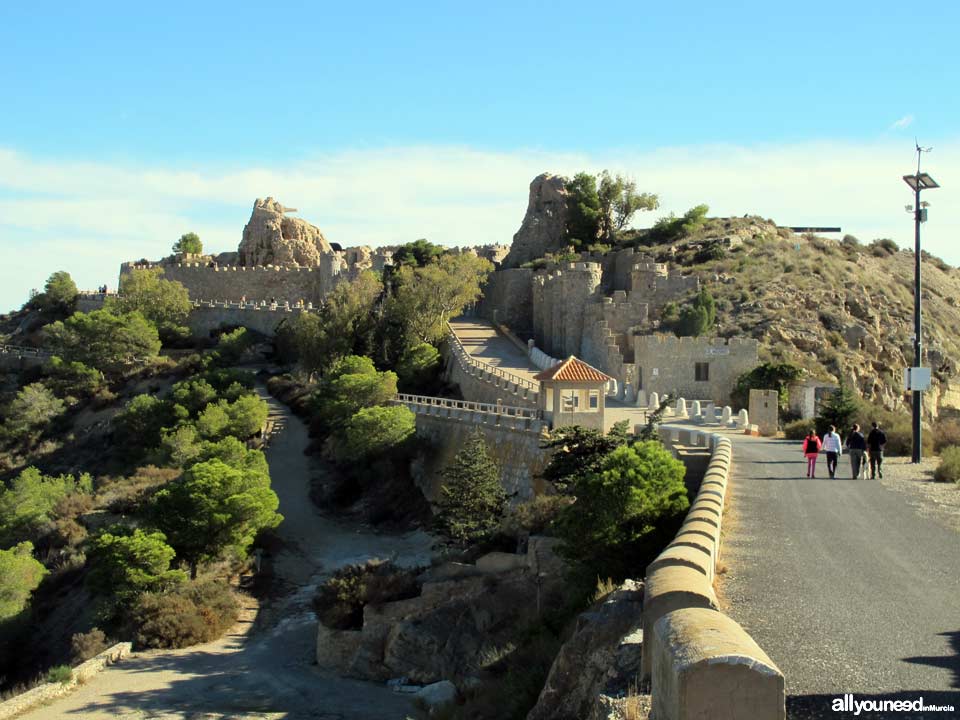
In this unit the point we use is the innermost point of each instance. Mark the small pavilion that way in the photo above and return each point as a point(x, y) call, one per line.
point(572, 393)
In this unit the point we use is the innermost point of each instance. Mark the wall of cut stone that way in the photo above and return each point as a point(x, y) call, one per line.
point(667, 364)
point(203, 319)
point(480, 387)
point(237, 282)
point(508, 300)
point(516, 451)
point(559, 300)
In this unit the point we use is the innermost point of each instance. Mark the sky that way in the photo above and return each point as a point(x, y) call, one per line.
point(123, 126)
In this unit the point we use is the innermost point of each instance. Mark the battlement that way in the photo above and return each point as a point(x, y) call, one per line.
point(665, 342)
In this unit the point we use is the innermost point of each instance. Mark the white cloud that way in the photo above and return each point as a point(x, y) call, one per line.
point(87, 217)
point(904, 122)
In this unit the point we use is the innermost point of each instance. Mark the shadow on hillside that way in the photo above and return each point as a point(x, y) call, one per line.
point(815, 707)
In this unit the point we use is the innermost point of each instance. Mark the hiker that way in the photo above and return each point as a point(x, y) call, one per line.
point(875, 442)
point(811, 449)
point(857, 445)
point(833, 447)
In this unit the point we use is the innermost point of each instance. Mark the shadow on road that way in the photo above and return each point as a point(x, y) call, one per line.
point(814, 707)
point(947, 662)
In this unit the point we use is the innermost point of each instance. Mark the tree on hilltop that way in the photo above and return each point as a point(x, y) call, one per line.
point(619, 202)
point(417, 253)
point(188, 244)
point(583, 210)
point(59, 294)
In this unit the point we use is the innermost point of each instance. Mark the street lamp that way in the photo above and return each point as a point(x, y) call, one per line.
point(918, 182)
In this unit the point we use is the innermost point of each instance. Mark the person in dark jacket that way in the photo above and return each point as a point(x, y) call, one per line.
point(857, 445)
point(875, 442)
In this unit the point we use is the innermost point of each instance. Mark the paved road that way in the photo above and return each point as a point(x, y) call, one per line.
point(269, 672)
point(843, 584)
point(482, 341)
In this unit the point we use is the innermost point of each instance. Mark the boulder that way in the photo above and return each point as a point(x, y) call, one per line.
point(544, 227)
point(601, 657)
point(437, 696)
point(272, 238)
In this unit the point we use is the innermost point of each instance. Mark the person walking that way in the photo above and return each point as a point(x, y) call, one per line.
point(875, 442)
point(811, 449)
point(857, 445)
point(833, 447)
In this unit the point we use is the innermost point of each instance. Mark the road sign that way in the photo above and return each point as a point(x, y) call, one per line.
point(917, 378)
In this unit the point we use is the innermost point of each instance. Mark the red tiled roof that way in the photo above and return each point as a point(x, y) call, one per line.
point(572, 370)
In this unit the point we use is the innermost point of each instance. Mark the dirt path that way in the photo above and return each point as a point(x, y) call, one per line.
point(268, 673)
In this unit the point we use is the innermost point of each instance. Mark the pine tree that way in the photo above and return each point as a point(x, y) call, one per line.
point(839, 410)
point(471, 497)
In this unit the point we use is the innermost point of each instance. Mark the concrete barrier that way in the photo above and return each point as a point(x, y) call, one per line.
point(707, 666)
point(669, 588)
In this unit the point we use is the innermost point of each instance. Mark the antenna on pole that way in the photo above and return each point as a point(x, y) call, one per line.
point(920, 151)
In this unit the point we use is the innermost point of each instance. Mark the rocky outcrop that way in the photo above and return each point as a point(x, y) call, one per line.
point(464, 616)
point(544, 227)
point(600, 660)
point(272, 238)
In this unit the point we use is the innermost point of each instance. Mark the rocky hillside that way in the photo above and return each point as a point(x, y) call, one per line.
point(843, 310)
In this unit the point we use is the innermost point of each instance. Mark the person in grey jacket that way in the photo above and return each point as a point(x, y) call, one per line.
point(857, 445)
point(833, 447)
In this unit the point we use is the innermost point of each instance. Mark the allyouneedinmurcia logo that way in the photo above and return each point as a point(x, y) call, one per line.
point(849, 704)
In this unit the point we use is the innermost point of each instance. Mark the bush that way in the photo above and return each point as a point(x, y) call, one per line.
point(798, 429)
point(340, 601)
point(949, 468)
point(30, 414)
point(882, 247)
point(945, 434)
point(60, 674)
point(84, 646)
point(534, 517)
point(193, 613)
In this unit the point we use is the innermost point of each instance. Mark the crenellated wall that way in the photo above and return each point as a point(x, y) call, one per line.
point(208, 317)
point(559, 301)
point(238, 282)
point(667, 364)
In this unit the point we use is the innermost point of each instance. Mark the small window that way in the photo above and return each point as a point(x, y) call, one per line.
point(702, 371)
point(571, 401)
point(594, 399)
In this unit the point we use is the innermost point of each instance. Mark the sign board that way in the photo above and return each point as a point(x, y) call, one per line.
point(917, 378)
point(718, 350)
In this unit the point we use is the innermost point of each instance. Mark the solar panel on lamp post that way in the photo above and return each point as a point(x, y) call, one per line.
point(918, 182)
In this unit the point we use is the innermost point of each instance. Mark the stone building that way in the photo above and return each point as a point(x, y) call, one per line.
point(693, 368)
point(572, 393)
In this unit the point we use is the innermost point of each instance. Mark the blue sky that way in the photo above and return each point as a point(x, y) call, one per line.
point(124, 126)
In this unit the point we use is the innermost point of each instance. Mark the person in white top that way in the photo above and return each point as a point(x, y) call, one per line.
point(833, 447)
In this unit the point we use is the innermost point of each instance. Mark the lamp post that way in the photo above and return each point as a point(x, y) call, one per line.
point(918, 182)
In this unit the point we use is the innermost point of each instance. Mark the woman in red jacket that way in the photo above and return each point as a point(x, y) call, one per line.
point(811, 449)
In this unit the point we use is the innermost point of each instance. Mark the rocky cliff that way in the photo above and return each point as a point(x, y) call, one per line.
point(272, 238)
point(544, 227)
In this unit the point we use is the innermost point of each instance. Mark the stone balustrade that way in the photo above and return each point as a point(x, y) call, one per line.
point(504, 416)
point(466, 359)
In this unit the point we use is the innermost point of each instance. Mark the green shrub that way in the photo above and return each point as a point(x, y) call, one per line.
point(949, 468)
point(945, 434)
point(797, 429)
point(60, 674)
point(883, 247)
point(84, 646)
point(193, 613)
point(340, 601)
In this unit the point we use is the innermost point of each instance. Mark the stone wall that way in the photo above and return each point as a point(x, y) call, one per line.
point(208, 317)
point(50, 691)
point(508, 300)
point(15, 359)
point(559, 301)
point(237, 282)
point(667, 364)
point(517, 451)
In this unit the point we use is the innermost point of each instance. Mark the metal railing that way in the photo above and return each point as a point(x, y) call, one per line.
point(466, 359)
point(24, 351)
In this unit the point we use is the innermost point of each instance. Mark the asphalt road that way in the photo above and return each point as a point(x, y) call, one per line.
point(842, 583)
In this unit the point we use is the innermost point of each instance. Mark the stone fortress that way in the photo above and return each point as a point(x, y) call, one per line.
point(280, 260)
point(605, 308)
